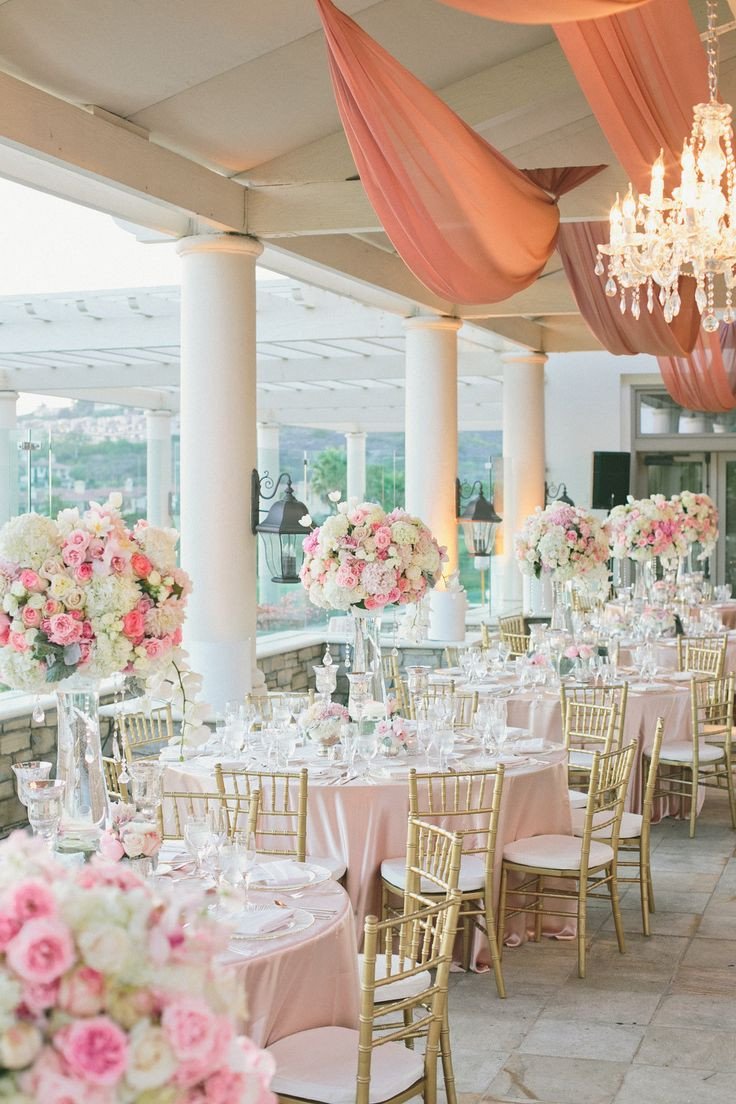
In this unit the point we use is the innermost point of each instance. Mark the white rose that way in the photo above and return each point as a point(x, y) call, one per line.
point(105, 949)
point(115, 499)
point(36, 601)
point(19, 1045)
point(74, 599)
point(151, 1062)
point(17, 589)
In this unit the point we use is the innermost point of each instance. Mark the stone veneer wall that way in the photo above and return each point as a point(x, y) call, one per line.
point(21, 739)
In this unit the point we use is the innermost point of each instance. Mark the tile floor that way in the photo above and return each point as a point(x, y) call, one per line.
point(654, 1026)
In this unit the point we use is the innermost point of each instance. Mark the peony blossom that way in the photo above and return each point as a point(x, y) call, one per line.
point(41, 951)
point(96, 1050)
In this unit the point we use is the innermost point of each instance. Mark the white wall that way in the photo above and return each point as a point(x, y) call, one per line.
point(587, 410)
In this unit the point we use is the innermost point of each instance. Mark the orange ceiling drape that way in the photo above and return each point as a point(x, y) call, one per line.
point(544, 11)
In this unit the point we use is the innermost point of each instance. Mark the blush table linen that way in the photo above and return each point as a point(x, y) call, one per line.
point(305, 980)
point(363, 823)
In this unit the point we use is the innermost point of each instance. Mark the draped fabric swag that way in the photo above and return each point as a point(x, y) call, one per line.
point(544, 11)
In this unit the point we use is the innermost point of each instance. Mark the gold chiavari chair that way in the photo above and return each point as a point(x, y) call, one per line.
point(515, 623)
point(469, 803)
point(634, 836)
point(465, 707)
point(144, 732)
point(702, 655)
point(116, 790)
point(587, 728)
point(517, 642)
point(420, 702)
point(485, 635)
point(581, 602)
point(318, 1066)
point(433, 857)
point(177, 806)
point(394, 683)
point(585, 860)
point(705, 760)
point(617, 694)
point(281, 828)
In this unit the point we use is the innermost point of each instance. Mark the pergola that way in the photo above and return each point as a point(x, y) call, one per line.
point(215, 124)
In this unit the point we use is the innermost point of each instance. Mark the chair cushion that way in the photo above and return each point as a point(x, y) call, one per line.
point(681, 751)
point(336, 867)
point(322, 1065)
point(555, 852)
point(397, 990)
point(630, 824)
point(577, 800)
point(582, 760)
point(472, 874)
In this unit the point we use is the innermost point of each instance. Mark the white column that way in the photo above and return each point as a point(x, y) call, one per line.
point(430, 422)
point(218, 452)
point(355, 444)
point(158, 466)
point(523, 459)
point(8, 456)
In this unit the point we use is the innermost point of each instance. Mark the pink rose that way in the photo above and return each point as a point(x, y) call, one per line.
point(9, 927)
point(30, 899)
point(5, 624)
point(31, 581)
point(133, 625)
point(84, 572)
point(88, 632)
point(73, 556)
point(82, 992)
point(393, 595)
point(78, 539)
point(64, 628)
point(31, 617)
point(118, 564)
point(40, 996)
point(155, 647)
point(18, 642)
point(96, 549)
point(85, 651)
point(42, 950)
point(382, 537)
point(110, 847)
point(346, 576)
point(142, 566)
point(51, 606)
point(191, 1028)
point(96, 1050)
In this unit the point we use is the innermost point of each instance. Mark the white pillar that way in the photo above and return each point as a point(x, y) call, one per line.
point(158, 466)
point(218, 452)
point(523, 458)
point(355, 443)
point(430, 422)
point(8, 456)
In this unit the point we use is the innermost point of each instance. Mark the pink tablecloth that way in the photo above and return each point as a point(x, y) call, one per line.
point(727, 612)
point(304, 980)
point(362, 824)
point(666, 654)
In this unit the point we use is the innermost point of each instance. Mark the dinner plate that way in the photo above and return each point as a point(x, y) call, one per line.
point(312, 876)
point(298, 922)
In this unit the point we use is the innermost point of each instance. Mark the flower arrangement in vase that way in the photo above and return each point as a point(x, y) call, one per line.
point(110, 993)
point(564, 542)
point(322, 723)
point(699, 520)
point(130, 835)
point(395, 736)
point(644, 528)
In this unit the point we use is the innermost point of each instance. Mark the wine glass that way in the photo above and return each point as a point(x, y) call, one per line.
point(30, 771)
point(146, 785)
point(368, 750)
point(504, 651)
point(44, 799)
point(286, 740)
point(198, 837)
point(445, 744)
point(348, 740)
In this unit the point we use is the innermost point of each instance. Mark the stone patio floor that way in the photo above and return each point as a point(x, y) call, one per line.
point(654, 1026)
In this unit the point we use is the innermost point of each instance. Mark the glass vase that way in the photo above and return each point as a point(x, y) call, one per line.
point(642, 581)
point(559, 607)
point(367, 652)
point(79, 756)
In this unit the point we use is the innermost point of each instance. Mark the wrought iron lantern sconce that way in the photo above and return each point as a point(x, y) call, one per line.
point(478, 518)
point(282, 529)
point(557, 492)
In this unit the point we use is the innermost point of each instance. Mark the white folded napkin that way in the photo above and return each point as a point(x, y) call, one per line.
point(648, 687)
point(173, 850)
point(280, 872)
point(534, 744)
point(262, 920)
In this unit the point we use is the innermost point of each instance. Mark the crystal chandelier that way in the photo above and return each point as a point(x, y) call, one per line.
point(655, 239)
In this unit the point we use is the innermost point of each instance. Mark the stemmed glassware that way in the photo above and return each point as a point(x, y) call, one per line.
point(31, 771)
point(44, 800)
point(146, 786)
point(367, 750)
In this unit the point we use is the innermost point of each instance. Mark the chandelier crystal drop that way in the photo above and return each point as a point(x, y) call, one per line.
point(656, 239)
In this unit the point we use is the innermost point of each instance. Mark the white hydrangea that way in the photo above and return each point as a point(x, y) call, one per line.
point(111, 653)
point(110, 597)
point(29, 540)
point(159, 544)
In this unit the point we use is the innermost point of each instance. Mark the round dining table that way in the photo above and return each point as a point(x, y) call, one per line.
point(363, 820)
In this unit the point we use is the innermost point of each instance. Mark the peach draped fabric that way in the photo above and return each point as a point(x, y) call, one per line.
point(622, 334)
point(544, 11)
point(560, 181)
point(465, 221)
point(706, 380)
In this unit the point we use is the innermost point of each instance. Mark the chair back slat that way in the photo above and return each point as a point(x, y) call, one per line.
point(588, 726)
point(281, 827)
point(614, 695)
point(178, 806)
point(609, 780)
point(702, 655)
point(143, 730)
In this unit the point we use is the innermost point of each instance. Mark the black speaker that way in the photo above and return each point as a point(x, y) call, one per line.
point(611, 477)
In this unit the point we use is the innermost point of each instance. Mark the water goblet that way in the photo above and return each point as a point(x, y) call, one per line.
point(44, 798)
point(348, 741)
point(146, 785)
point(367, 750)
point(286, 741)
point(31, 771)
point(445, 745)
point(198, 837)
point(504, 651)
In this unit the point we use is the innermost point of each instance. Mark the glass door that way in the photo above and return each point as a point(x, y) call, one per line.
point(669, 473)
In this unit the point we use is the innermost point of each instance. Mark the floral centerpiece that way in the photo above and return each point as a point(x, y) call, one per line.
point(699, 520)
point(644, 528)
point(130, 836)
point(564, 542)
point(109, 993)
point(363, 557)
point(322, 722)
point(394, 736)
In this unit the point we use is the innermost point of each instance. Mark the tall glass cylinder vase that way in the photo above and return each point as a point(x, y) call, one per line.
point(367, 651)
point(559, 606)
point(642, 581)
point(79, 756)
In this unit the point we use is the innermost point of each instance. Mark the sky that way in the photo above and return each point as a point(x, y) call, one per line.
point(50, 245)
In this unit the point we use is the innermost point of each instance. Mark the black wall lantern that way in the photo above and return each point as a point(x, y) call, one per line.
point(478, 518)
point(556, 492)
point(282, 529)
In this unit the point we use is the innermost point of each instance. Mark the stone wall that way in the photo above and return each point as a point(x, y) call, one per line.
point(21, 739)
